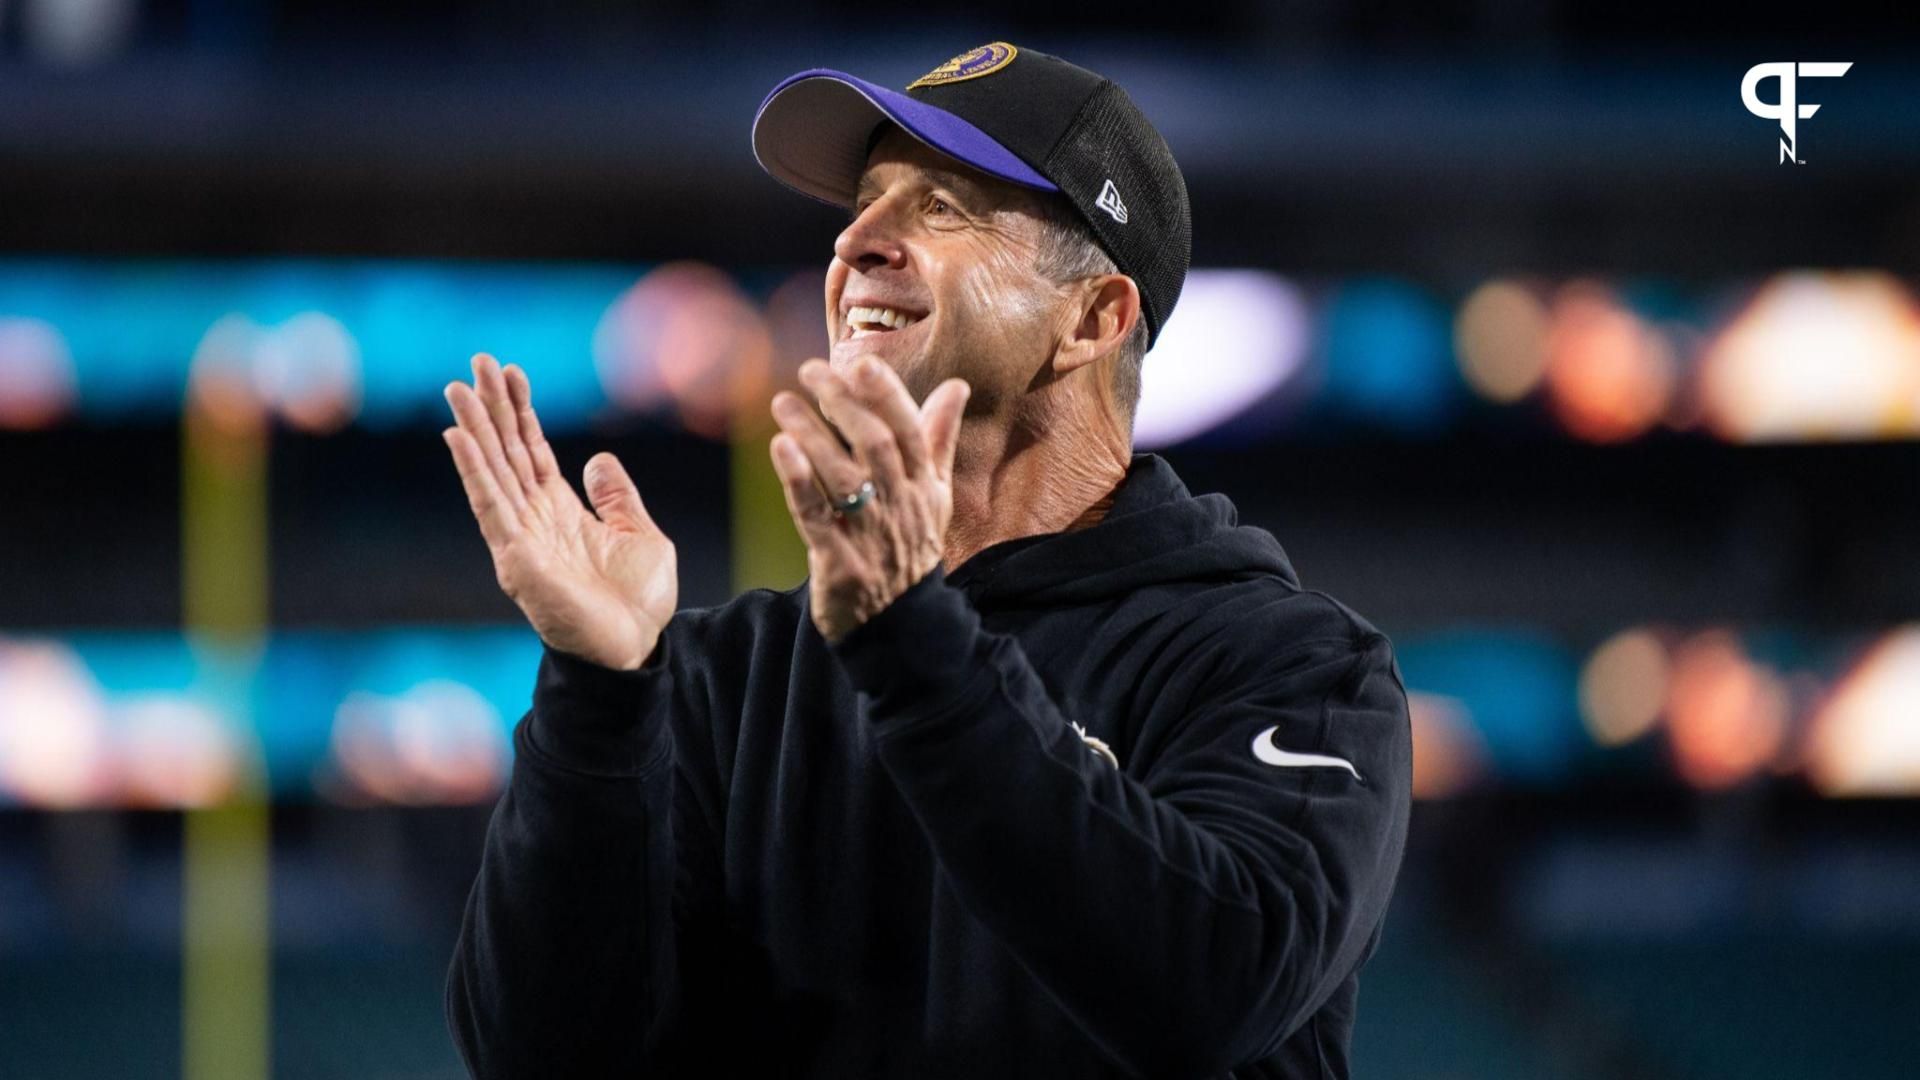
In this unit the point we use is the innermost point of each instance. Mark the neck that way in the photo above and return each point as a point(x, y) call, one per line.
point(1025, 476)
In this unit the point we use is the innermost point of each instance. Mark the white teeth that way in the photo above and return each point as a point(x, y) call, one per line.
point(879, 316)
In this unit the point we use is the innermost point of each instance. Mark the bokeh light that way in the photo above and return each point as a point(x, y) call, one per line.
point(685, 336)
point(1500, 340)
point(173, 751)
point(221, 386)
point(1610, 376)
point(1385, 358)
point(54, 741)
point(1817, 356)
point(440, 741)
point(37, 381)
point(1866, 738)
point(796, 317)
point(1449, 756)
point(1515, 687)
point(1623, 687)
point(1726, 713)
point(1236, 336)
point(308, 368)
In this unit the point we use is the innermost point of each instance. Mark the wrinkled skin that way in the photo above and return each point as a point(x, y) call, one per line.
point(931, 236)
point(995, 339)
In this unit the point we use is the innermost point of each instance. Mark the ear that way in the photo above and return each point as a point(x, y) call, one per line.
point(1109, 308)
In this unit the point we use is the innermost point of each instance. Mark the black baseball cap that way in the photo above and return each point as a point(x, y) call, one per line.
point(1016, 114)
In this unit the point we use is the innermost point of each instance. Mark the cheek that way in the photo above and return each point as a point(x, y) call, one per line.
point(1002, 296)
point(836, 284)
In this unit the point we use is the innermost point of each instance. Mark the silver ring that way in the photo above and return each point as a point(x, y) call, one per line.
point(856, 502)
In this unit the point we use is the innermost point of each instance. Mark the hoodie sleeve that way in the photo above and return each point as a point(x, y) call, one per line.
point(566, 955)
point(1194, 910)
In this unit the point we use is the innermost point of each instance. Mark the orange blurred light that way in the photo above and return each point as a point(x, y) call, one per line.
point(1448, 755)
point(1610, 376)
point(1866, 738)
point(220, 380)
point(1726, 714)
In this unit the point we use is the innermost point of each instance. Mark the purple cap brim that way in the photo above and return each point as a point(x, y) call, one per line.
point(812, 132)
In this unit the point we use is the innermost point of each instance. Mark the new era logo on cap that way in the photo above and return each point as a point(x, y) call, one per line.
point(1109, 201)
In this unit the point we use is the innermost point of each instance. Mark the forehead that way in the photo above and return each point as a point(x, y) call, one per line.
point(896, 156)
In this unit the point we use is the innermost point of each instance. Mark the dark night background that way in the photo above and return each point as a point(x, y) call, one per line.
point(1597, 886)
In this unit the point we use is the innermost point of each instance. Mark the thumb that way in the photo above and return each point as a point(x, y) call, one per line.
point(940, 414)
point(613, 495)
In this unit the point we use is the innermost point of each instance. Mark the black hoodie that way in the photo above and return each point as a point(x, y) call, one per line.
point(909, 854)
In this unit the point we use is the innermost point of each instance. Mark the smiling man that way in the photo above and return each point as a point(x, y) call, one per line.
point(1050, 768)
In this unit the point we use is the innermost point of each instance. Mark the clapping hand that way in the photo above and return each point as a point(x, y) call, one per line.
point(866, 546)
point(599, 587)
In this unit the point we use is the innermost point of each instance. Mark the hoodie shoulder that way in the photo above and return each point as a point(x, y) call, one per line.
point(1279, 611)
point(1264, 625)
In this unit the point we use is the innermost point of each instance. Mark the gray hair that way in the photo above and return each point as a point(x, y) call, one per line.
point(1069, 252)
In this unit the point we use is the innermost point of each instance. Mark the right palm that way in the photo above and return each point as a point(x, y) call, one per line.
point(601, 588)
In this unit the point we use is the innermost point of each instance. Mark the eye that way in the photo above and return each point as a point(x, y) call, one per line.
point(938, 205)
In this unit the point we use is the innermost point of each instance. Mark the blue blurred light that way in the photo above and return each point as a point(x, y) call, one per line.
point(1518, 688)
point(133, 326)
point(1387, 352)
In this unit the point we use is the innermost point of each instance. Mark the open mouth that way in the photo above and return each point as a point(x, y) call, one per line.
point(864, 321)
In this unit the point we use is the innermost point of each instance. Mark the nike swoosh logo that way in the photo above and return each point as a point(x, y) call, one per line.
point(1265, 750)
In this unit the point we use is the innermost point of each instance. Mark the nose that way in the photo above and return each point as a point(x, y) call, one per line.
point(872, 239)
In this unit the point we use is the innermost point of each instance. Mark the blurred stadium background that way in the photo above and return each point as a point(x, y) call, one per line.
point(1505, 318)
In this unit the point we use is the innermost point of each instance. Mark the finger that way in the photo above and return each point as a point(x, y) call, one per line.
point(498, 521)
point(880, 388)
point(838, 472)
point(812, 513)
point(873, 442)
point(474, 419)
point(613, 494)
point(941, 415)
point(546, 468)
point(492, 387)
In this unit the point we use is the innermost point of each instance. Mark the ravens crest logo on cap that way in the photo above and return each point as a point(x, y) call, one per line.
point(971, 64)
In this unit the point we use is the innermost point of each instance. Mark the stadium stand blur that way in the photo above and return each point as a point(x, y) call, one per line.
point(1507, 319)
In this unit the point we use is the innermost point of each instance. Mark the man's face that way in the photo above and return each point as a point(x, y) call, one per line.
point(949, 255)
